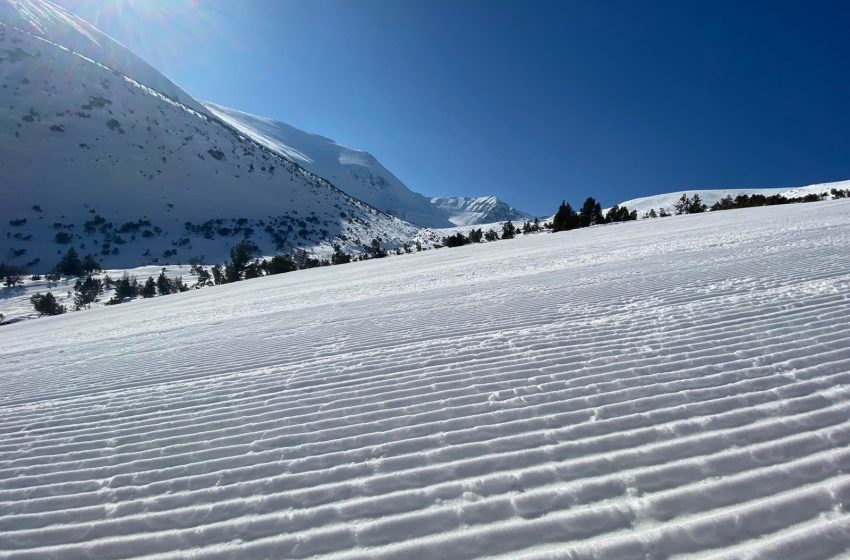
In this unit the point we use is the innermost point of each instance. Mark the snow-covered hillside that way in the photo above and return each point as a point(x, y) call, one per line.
point(710, 196)
point(361, 175)
point(55, 24)
point(464, 211)
point(674, 388)
point(95, 158)
point(356, 172)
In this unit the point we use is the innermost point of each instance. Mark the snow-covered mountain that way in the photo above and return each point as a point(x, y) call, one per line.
point(464, 211)
point(101, 152)
point(667, 201)
point(361, 175)
point(356, 172)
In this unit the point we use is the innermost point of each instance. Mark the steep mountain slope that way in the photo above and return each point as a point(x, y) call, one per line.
point(356, 172)
point(361, 175)
point(44, 19)
point(94, 158)
point(710, 196)
point(464, 211)
point(661, 389)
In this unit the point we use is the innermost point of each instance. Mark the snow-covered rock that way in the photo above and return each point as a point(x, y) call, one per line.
point(464, 211)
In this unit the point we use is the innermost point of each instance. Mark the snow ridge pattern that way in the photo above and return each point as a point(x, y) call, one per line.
point(652, 389)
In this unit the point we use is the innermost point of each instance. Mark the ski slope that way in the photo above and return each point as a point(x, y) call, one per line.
point(674, 388)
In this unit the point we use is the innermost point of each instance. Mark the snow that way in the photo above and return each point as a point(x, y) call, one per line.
point(356, 172)
point(464, 211)
point(81, 139)
point(51, 22)
point(362, 176)
point(674, 388)
point(667, 201)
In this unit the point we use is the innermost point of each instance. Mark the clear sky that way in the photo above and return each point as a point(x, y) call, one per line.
point(532, 101)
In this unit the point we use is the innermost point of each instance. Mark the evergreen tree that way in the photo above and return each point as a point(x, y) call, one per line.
point(456, 240)
point(126, 287)
point(508, 230)
point(70, 265)
point(565, 218)
point(590, 213)
point(696, 206)
point(491, 235)
point(148, 289)
point(281, 264)
point(475, 235)
point(725, 203)
point(163, 284)
point(87, 291)
point(46, 304)
point(341, 257)
point(683, 205)
point(90, 264)
point(218, 275)
point(375, 249)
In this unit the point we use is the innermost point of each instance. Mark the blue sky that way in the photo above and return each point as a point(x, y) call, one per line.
point(533, 101)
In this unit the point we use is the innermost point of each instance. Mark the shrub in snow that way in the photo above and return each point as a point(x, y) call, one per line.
point(46, 304)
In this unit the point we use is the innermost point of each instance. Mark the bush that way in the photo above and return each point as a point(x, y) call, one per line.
point(46, 304)
point(12, 275)
point(63, 237)
point(339, 256)
point(456, 240)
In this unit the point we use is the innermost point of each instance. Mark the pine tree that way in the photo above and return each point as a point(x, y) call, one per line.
point(148, 289)
point(163, 284)
point(70, 265)
point(476, 235)
point(339, 256)
point(508, 230)
point(683, 205)
point(90, 264)
point(565, 218)
point(281, 263)
point(491, 235)
point(46, 304)
point(87, 291)
point(696, 206)
point(590, 213)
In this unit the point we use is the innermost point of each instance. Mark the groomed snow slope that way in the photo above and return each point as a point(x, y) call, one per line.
point(654, 389)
